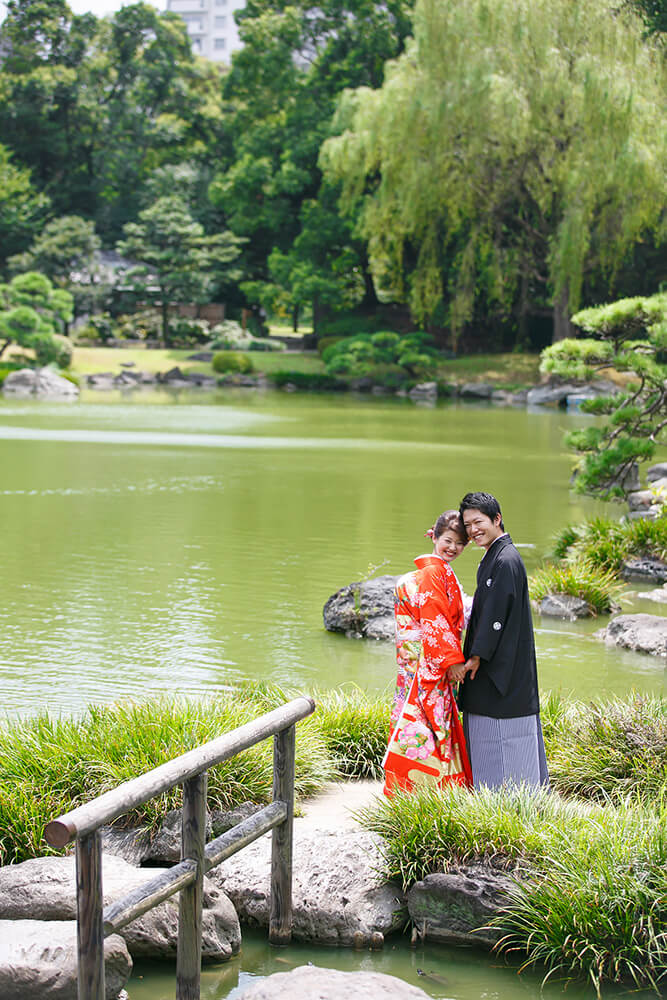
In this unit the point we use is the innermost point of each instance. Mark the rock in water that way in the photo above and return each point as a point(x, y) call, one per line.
point(336, 897)
point(44, 889)
point(40, 382)
point(38, 961)
point(456, 907)
point(564, 606)
point(363, 609)
point(308, 982)
point(644, 633)
point(650, 570)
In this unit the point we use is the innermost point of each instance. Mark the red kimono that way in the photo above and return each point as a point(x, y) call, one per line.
point(426, 744)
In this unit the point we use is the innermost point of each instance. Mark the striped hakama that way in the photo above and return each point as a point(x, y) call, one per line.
point(505, 751)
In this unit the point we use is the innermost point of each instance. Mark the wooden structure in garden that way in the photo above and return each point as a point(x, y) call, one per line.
point(94, 922)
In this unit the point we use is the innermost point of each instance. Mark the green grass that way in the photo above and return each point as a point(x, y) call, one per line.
point(355, 728)
point(607, 544)
point(591, 880)
point(90, 360)
point(511, 370)
point(48, 766)
point(608, 751)
point(598, 587)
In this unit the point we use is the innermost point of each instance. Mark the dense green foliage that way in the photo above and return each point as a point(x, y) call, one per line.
point(232, 361)
point(492, 169)
point(629, 336)
point(583, 579)
point(32, 314)
point(589, 899)
point(481, 192)
point(606, 544)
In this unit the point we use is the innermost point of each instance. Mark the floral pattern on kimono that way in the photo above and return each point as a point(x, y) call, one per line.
point(426, 743)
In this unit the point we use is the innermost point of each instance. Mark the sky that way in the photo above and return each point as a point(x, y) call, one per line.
point(97, 7)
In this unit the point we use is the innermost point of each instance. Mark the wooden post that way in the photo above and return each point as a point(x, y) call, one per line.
point(280, 921)
point(188, 960)
point(90, 934)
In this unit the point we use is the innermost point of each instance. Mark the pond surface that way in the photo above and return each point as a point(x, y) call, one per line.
point(181, 543)
point(184, 542)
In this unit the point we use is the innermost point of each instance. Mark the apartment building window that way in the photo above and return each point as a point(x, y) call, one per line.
point(220, 22)
point(220, 3)
point(220, 43)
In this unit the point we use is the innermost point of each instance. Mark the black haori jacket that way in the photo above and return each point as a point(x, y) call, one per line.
point(500, 632)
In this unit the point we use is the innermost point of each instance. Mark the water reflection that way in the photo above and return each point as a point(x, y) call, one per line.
point(137, 562)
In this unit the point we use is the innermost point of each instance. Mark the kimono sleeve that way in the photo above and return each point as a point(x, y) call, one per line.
point(494, 612)
point(441, 647)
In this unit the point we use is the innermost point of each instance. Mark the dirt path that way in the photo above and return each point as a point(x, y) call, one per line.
point(333, 808)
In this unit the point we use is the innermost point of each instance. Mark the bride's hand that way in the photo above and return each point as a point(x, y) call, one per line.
point(456, 673)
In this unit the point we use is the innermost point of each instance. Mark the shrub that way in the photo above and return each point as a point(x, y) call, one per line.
point(232, 361)
point(325, 342)
point(379, 354)
point(229, 334)
point(596, 586)
point(592, 880)
point(48, 766)
point(608, 751)
point(310, 381)
point(355, 727)
point(187, 332)
point(266, 344)
point(607, 544)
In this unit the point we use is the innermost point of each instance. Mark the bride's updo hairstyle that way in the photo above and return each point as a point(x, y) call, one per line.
point(449, 520)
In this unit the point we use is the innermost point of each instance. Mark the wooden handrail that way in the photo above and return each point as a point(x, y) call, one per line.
point(189, 769)
point(120, 800)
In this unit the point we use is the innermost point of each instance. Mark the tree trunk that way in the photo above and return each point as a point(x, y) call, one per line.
point(164, 306)
point(561, 314)
point(370, 299)
point(318, 313)
point(295, 318)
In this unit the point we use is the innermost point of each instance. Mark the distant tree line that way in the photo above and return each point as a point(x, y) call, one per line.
point(484, 168)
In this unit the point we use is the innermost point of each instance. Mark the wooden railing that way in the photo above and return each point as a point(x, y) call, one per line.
point(94, 922)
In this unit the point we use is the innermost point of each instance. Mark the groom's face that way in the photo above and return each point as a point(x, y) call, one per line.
point(481, 528)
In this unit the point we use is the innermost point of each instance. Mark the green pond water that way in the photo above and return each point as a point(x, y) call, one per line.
point(180, 543)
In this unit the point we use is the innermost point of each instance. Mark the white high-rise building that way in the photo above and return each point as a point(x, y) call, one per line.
point(211, 26)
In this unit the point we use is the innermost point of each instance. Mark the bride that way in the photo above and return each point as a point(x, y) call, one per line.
point(426, 743)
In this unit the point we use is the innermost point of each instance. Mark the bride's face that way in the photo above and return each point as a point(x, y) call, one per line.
point(448, 546)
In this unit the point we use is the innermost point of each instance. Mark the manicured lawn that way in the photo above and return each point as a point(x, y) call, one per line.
point(88, 360)
point(509, 369)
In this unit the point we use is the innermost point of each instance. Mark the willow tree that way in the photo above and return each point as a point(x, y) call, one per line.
point(513, 148)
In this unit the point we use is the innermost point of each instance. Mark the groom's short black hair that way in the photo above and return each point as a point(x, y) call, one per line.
point(484, 502)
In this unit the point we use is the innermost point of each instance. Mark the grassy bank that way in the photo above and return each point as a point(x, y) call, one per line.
point(48, 766)
point(591, 892)
point(513, 370)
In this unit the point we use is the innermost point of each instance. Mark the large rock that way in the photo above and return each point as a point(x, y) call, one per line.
point(564, 606)
point(543, 395)
point(38, 961)
point(655, 472)
point(476, 390)
point(456, 907)
point(308, 982)
point(363, 609)
point(645, 570)
point(659, 595)
point(44, 889)
point(40, 382)
point(645, 633)
point(424, 391)
point(336, 897)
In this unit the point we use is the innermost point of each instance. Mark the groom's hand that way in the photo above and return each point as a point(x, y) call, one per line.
point(471, 666)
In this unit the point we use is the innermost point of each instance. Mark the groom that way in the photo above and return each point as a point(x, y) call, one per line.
point(499, 696)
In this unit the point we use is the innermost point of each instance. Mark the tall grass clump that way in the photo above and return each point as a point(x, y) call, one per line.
point(355, 728)
point(610, 750)
point(607, 544)
point(598, 587)
point(48, 766)
point(590, 894)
